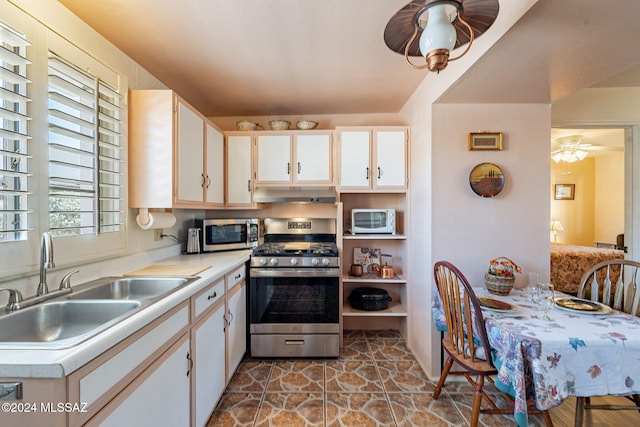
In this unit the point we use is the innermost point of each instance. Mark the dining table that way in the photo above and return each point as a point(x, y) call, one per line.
point(581, 349)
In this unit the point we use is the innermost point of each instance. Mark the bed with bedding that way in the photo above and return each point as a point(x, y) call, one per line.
point(569, 263)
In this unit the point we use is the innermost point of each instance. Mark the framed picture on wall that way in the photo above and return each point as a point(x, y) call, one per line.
point(565, 191)
point(485, 141)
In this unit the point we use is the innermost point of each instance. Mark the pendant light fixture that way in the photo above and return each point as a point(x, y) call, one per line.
point(442, 26)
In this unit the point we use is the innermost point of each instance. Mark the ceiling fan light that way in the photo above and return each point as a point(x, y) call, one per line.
point(581, 154)
point(556, 157)
point(568, 156)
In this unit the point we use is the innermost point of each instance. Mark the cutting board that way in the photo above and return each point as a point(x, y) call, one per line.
point(169, 270)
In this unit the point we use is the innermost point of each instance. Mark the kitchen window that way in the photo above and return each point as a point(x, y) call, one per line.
point(14, 136)
point(85, 194)
point(63, 123)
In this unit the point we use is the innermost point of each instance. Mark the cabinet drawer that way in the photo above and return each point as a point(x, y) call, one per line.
point(236, 276)
point(208, 297)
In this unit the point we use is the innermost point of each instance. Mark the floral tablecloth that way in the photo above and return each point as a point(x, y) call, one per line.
point(573, 354)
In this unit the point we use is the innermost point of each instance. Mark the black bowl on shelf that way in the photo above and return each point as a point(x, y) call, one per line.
point(369, 299)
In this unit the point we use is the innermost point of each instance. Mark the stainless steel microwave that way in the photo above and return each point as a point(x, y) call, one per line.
point(373, 221)
point(227, 234)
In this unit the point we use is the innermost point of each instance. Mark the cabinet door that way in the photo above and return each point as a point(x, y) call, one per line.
point(214, 176)
point(354, 159)
point(313, 158)
point(274, 158)
point(390, 150)
point(190, 163)
point(237, 329)
point(209, 356)
point(160, 399)
point(239, 170)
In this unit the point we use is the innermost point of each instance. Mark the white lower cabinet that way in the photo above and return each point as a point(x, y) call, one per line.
point(160, 397)
point(173, 371)
point(237, 327)
point(208, 379)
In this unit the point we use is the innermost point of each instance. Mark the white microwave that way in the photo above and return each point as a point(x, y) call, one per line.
point(373, 221)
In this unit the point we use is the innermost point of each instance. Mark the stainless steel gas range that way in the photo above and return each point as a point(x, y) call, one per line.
point(294, 290)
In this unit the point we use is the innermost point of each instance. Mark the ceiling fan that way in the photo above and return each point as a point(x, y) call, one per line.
point(571, 149)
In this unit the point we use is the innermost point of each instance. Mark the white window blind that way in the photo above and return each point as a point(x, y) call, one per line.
point(84, 152)
point(14, 136)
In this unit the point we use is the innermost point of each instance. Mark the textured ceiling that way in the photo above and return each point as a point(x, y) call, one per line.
point(554, 50)
point(258, 57)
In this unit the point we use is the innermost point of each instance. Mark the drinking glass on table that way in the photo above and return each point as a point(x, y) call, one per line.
point(531, 286)
point(545, 298)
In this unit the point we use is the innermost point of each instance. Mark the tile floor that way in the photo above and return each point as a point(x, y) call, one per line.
point(375, 382)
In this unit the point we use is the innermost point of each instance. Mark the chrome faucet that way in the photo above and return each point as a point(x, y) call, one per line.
point(15, 299)
point(46, 262)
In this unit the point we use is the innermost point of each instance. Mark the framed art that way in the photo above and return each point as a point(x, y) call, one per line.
point(485, 141)
point(486, 180)
point(565, 191)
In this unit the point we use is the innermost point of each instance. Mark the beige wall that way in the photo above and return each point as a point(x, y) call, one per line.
point(470, 230)
point(577, 216)
point(609, 207)
point(597, 211)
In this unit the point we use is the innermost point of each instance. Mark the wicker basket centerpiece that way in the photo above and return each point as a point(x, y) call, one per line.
point(501, 276)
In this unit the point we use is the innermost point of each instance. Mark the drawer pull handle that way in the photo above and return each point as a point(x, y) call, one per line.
point(238, 276)
point(215, 294)
point(294, 342)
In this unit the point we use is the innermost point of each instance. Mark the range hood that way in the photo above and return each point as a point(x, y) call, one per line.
point(294, 194)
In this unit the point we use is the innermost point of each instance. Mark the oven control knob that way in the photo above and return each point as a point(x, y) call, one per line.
point(325, 261)
point(263, 261)
point(315, 262)
point(273, 261)
point(294, 261)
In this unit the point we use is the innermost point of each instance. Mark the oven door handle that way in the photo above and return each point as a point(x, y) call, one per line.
point(294, 272)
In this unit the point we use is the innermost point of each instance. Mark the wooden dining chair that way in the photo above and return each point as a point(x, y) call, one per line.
point(615, 284)
point(466, 342)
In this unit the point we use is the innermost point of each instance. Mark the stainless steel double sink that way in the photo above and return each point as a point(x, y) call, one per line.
point(89, 309)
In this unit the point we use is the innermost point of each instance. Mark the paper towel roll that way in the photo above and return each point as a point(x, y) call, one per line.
point(156, 220)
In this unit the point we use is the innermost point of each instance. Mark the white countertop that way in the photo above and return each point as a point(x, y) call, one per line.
point(46, 363)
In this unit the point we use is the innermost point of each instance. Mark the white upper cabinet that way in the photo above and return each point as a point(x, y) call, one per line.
point(239, 167)
point(390, 158)
point(312, 158)
point(372, 158)
point(214, 164)
point(355, 170)
point(190, 148)
point(296, 158)
point(274, 158)
point(175, 153)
